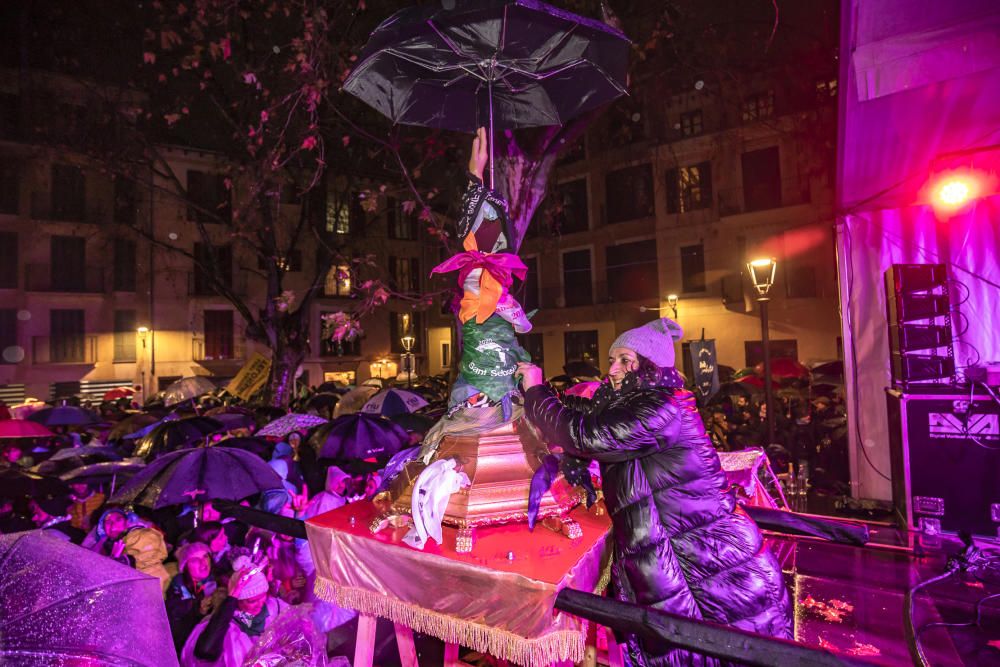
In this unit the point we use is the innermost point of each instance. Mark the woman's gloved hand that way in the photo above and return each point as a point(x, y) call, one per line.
point(480, 154)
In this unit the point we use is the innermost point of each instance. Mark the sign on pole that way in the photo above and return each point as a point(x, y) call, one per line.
point(251, 377)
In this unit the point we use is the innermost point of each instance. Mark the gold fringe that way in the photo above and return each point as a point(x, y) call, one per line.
point(605, 579)
point(540, 652)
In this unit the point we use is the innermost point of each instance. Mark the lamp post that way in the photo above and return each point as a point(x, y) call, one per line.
point(672, 300)
point(762, 273)
point(408, 342)
point(142, 332)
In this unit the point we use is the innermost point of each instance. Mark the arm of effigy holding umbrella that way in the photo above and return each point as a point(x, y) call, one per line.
point(276, 524)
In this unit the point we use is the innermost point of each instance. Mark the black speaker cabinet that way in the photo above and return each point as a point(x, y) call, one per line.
point(945, 454)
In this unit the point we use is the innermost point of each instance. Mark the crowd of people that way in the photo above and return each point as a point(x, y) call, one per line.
point(224, 583)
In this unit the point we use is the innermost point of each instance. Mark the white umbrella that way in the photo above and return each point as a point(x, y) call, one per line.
point(282, 426)
point(389, 402)
point(187, 388)
point(354, 400)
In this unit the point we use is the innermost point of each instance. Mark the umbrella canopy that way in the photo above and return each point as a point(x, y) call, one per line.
point(358, 436)
point(235, 420)
point(323, 401)
point(16, 482)
point(829, 368)
point(187, 388)
point(104, 472)
point(172, 435)
point(412, 423)
point(74, 457)
point(64, 415)
point(30, 405)
point(378, 383)
point(735, 389)
point(205, 473)
point(118, 392)
point(257, 446)
point(64, 605)
point(390, 402)
point(282, 426)
point(784, 367)
point(354, 400)
point(333, 388)
point(131, 424)
point(521, 63)
point(22, 428)
point(742, 373)
point(756, 382)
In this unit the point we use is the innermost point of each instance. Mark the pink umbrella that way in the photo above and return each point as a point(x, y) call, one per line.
point(22, 428)
point(584, 389)
point(756, 381)
point(784, 367)
point(119, 392)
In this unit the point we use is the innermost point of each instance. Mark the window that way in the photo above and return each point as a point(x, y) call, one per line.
point(210, 197)
point(691, 123)
point(533, 345)
point(344, 214)
point(8, 336)
point(401, 225)
point(124, 267)
point(125, 335)
point(761, 179)
point(68, 193)
point(754, 350)
point(800, 280)
point(826, 90)
point(405, 324)
point(290, 264)
point(338, 281)
point(218, 334)
point(526, 292)
point(758, 106)
point(126, 202)
point(10, 116)
point(689, 188)
point(223, 260)
point(570, 207)
point(445, 354)
point(9, 188)
point(8, 259)
point(67, 336)
point(629, 193)
point(331, 348)
point(580, 346)
point(577, 283)
point(68, 263)
point(404, 274)
point(693, 268)
point(632, 271)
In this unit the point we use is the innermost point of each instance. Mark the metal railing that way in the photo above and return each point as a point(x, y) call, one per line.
point(234, 348)
point(49, 278)
point(66, 349)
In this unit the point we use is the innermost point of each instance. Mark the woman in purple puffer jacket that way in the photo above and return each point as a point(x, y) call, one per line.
point(682, 544)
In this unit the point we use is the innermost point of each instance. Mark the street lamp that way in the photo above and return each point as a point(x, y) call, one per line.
point(762, 272)
point(142, 332)
point(672, 300)
point(408, 341)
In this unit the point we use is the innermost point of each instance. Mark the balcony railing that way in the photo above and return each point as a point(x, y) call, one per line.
point(233, 348)
point(200, 285)
point(600, 294)
point(734, 201)
point(66, 349)
point(43, 278)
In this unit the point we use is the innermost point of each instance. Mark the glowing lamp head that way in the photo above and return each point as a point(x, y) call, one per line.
point(762, 272)
point(672, 300)
point(954, 192)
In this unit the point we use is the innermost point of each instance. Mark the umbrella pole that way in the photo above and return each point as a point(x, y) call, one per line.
point(114, 477)
point(489, 93)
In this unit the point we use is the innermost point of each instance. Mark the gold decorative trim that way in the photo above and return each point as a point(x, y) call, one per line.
point(553, 647)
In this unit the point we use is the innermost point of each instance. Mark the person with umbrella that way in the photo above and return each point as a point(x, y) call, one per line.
point(85, 501)
point(52, 514)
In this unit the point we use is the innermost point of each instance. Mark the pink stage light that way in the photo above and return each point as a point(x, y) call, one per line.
point(954, 191)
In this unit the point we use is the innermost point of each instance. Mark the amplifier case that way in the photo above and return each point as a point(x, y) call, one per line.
point(938, 472)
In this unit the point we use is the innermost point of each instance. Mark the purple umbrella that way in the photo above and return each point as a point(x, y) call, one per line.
point(62, 605)
point(358, 437)
point(64, 415)
point(206, 473)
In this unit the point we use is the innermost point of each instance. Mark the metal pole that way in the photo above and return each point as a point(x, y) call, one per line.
point(490, 96)
point(768, 398)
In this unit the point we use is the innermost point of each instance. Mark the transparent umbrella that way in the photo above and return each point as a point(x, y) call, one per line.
point(187, 388)
point(64, 605)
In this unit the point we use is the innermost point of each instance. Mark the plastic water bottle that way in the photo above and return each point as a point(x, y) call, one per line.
point(802, 484)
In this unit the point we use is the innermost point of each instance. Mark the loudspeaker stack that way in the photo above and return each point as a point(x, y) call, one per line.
point(919, 315)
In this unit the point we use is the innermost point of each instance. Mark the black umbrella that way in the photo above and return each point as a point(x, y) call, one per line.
point(17, 482)
point(171, 435)
point(107, 472)
point(412, 422)
point(259, 446)
point(831, 368)
point(206, 473)
point(64, 415)
point(64, 605)
point(74, 457)
point(506, 63)
point(356, 437)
